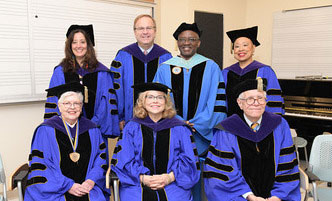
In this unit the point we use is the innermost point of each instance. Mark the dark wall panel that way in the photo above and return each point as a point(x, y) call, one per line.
point(212, 38)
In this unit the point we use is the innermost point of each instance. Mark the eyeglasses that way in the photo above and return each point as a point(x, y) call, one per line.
point(251, 100)
point(144, 28)
point(158, 98)
point(190, 40)
point(69, 105)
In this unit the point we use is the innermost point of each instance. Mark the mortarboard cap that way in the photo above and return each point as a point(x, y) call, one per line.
point(184, 26)
point(61, 89)
point(259, 84)
point(250, 33)
point(87, 28)
point(142, 87)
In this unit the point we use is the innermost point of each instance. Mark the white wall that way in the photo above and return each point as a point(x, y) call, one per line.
point(17, 123)
point(260, 12)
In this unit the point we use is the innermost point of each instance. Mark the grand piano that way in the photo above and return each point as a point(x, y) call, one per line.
point(308, 105)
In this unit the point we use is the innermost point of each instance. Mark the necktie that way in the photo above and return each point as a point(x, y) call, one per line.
point(145, 52)
point(254, 127)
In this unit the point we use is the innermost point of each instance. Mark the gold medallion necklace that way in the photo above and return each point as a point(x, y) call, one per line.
point(74, 156)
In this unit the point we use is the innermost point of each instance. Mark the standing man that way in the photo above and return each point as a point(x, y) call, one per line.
point(136, 63)
point(199, 90)
point(252, 155)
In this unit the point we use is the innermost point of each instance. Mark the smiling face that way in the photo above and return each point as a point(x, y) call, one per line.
point(254, 111)
point(70, 108)
point(79, 46)
point(188, 43)
point(243, 51)
point(154, 103)
point(145, 32)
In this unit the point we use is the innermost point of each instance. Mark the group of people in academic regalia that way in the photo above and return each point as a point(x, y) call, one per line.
point(182, 123)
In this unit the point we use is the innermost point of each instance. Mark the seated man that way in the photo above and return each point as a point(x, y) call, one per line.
point(252, 156)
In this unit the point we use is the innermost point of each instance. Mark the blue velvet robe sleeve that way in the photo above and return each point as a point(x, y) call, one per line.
point(106, 114)
point(274, 100)
point(56, 184)
point(127, 162)
point(207, 116)
point(185, 163)
point(227, 182)
point(121, 80)
point(287, 165)
point(44, 162)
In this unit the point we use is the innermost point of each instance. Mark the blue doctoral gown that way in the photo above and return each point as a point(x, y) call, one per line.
point(102, 104)
point(241, 161)
point(53, 173)
point(155, 148)
point(198, 92)
point(130, 67)
point(234, 74)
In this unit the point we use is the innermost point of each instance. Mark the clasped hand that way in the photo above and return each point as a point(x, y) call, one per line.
point(156, 182)
point(256, 198)
point(81, 189)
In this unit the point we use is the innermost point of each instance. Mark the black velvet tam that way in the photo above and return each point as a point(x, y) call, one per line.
point(250, 33)
point(259, 84)
point(87, 28)
point(142, 87)
point(184, 27)
point(59, 90)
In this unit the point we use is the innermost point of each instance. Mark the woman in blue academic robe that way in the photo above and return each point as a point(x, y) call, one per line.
point(156, 159)
point(244, 43)
point(67, 161)
point(81, 65)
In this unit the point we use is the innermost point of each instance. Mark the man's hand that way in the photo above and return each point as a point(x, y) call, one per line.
point(191, 125)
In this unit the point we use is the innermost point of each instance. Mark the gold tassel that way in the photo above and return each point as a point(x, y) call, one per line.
point(259, 84)
point(86, 94)
point(232, 44)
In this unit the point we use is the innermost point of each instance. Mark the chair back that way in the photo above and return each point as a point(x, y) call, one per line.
point(321, 157)
point(3, 197)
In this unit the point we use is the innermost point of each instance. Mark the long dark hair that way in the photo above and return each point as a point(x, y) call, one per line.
point(69, 63)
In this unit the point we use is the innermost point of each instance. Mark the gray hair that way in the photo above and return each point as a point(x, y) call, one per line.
point(71, 93)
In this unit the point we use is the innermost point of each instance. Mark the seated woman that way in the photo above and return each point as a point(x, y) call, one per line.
point(67, 159)
point(156, 159)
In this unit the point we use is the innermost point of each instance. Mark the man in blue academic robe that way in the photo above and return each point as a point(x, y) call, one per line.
point(136, 63)
point(252, 155)
point(199, 89)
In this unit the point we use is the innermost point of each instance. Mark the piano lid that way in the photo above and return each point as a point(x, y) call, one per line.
point(307, 88)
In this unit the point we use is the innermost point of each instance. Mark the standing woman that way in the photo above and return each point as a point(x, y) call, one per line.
point(244, 42)
point(67, 161)
point(80, 64)
point(156, 159)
